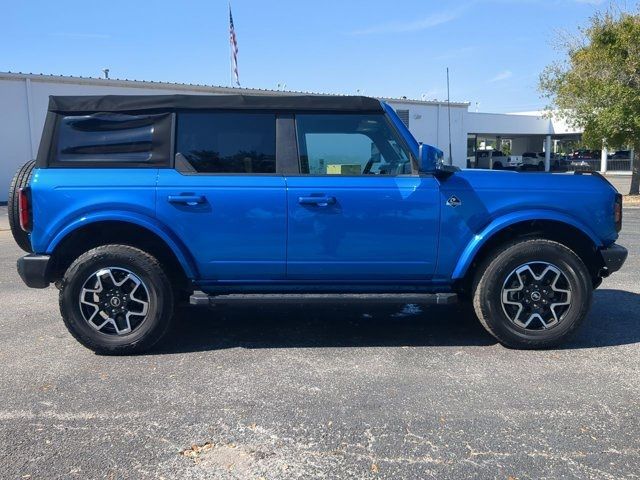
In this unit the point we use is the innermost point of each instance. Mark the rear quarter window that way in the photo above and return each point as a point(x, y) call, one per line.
point(112, 139)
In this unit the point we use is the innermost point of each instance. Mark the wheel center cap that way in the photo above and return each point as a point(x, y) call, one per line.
point(115, 302)
point(535, 296)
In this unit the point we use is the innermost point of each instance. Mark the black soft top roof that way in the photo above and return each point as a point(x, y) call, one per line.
point(135, 103)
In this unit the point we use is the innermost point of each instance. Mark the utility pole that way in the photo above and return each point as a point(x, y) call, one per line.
point(449, 113)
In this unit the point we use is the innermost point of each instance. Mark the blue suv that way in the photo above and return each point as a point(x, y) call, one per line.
point(136, 203)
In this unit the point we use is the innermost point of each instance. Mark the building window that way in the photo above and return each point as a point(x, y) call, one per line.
point(404, 116)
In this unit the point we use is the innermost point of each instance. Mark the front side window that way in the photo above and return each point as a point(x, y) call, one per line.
point(219, 142)
point(350, 144)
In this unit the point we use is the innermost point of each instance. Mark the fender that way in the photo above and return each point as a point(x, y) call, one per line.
point(500, 223)
point(180, 251)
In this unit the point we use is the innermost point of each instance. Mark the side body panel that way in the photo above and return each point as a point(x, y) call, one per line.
point(237, 232)
point(491, 201)
point(67, 198)
point(375, 228)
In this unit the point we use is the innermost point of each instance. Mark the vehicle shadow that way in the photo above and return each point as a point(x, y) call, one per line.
point(614, 320)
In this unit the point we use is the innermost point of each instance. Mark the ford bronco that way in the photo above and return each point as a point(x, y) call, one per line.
point(135, 203)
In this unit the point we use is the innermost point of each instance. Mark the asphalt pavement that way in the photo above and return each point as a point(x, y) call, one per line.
point(358, 391)
point(621, 182)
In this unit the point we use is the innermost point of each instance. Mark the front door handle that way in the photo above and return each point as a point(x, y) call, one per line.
point(190, 200)
point(317, 201)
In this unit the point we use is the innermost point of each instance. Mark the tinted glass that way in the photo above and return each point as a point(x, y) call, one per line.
point(228, 142)
point(106, 137)
point(350, 144)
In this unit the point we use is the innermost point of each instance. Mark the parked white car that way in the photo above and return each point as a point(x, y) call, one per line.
point(491, 159)
point(535, 161)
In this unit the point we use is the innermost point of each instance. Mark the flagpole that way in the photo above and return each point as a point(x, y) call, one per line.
point(233, 54)
point(230, 52)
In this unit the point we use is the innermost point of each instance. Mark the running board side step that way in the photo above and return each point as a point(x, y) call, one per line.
point(201, 298)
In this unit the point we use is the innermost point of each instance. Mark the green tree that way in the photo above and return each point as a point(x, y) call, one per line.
point(596, 86)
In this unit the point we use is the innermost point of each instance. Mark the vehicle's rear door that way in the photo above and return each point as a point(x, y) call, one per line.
point(224, 200)
point(356, 212)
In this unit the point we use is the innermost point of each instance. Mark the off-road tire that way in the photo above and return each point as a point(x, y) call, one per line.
point(20, 180)
point(493, 272)
point(144, 266)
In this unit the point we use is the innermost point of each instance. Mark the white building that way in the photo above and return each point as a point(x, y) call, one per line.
point(24, 100)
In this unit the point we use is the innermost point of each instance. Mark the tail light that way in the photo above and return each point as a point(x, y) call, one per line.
point(24, 207)
point(617, 212)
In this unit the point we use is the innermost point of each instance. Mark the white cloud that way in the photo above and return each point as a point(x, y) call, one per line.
point(430, 21)
point(504, 75)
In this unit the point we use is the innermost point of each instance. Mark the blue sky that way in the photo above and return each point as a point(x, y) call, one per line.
point(495, 48)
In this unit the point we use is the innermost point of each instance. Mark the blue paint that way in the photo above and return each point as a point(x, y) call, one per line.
point(298, 232)
point(380, 227)
point(238, 232)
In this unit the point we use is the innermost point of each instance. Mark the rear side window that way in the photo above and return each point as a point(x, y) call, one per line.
point(112, 138)
point(234, 142)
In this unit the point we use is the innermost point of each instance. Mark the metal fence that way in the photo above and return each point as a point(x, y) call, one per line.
point(619, 165)
point(613, 165)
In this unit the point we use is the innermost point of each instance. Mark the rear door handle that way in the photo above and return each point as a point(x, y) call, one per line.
point(187, 199)
point(317, 201)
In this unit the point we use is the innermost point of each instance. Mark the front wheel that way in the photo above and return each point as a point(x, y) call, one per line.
point(116, 299)
point(532, 294)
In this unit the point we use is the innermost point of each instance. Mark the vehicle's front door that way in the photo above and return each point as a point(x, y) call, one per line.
point(356, 213)
point(224, 201)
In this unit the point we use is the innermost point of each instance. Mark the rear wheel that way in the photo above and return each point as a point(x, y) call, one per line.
point(20, 180)
point(497, 166)
point(540, 166)
point(116, 300)
point(533, 294)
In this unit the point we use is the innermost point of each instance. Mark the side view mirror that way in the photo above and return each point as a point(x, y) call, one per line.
point(429, 158)
point(432, 161)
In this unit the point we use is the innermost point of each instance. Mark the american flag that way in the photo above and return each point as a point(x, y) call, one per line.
point(234, 48)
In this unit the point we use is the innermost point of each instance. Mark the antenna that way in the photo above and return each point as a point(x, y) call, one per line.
point(449, 113)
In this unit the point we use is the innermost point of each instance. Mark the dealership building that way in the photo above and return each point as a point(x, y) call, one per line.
point(24, 100)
